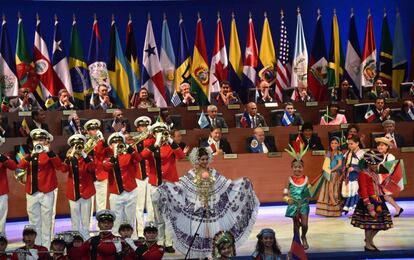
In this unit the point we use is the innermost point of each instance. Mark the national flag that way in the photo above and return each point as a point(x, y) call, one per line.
point(235, 59)
point(385, 59)
point(267, 55)
point(59, 61)
point(219, 62)
point(298, 142)
point(245, 120)
point(251, 57)
point(199, 66)
point(300, 56)
point(284, 67)
point(24, 128)
point(287, 119)
point(336, 58)
point(412, 55)
point(77, 66)
point(399, 58)
point(131, 55)
point(397, 178)
point(369, 115)
point(47, 77)
point(98, 71)
point(20, 154)
point(353, 58)
point(317, 74)
point(202, 120)
point(296, 249)
point(326, 117)
point(183, 63)
point(369, 55)
point(152, 78)
point(9, 83)
point(167, 60)
point(119, 70)
point(175, 99)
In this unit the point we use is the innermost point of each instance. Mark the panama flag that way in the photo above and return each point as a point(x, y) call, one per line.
point(251, 57)
point(353, 58)
point(59, 61)
point(131, 55)
point(8, 80)
point(44, 70)
point(369, 55)
point(219, 61)
point(235, 59)
point(167, 60)
point(300, 56)
point(152, 78)
point(98, 71)
point(399, 57)
point(317, 74)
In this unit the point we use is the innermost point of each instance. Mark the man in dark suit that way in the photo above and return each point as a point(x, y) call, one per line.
point(389, 132)
point(407, 111)
point(213, 119)
point(23, 102)
point(178, 139)
point(64, 102)
point(5, 130)
point(118, 124)
point(310, 138)
point(187, 98)
point(291, 118)
point(102, 100)
point(381, 113)
point(265, 93)
point(255, 119)
point(74, 125)
point(215, 141)
point(38, 120)
point(225, 96)
point(260, 143)
point(302, 94)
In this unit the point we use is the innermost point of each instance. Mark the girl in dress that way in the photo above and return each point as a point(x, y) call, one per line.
point(371, 212)
point(204, 196)
point(223, 246)
point(350, 173)
point(267, 247)
point(328, 203)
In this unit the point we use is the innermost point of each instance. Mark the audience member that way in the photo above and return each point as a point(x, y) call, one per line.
point(74, 125)
point(187, 98)
point(38, 120)
point(290, 116)
point(332, 117)
point(302, 94)
point(310, 138)
point(216, 142)
point(118, 124)
point(378, 90)
point(260, 143)
point(178, 139)
point(252, 119)
point(102, 100)
point(354, 130)
point(225, 96)
point(264, 93)
point(346, 92)
point(23, 102)
point(407, 111)
point(213, 119)
point(380, 112)
point(144, 100)
point(5, 130)
point(64, 102)
point(389, 131)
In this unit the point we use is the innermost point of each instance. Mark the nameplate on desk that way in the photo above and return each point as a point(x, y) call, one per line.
point(274, 154)
point(183, 131)
point(391, 100)
point(407, 149)
point(233, 106)
point(193, 108)
point(265, 128)
point(68, 112)
point(110, 110)
point(318, 152)
point(351, 101)
point(153, 109)
point(312, 104)
point(271, 104)
point(344, 126)
point(230, 156)
point(25, 113)
point(224, 130)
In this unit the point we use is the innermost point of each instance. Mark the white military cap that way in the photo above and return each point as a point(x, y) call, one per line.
point(116, 137)
point(158, 126)
point(41, 133)
point(92, 124)
point(105, 214)
point(142, 120)
point(76, 138)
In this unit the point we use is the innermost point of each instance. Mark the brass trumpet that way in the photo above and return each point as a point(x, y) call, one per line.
point(38, 148)
point(91, 143)
point(140, 137)
point(119, 149)
point(21, 176)
point(77, 148)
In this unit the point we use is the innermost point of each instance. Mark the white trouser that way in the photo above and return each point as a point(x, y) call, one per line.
point(3, 212)
point(143, 200)
point(80, 213)
point(101, 195)
point(40, 211)
point(164, 234)
point(124, 205)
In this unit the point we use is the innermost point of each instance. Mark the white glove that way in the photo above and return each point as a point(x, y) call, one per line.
point(34, 254)
point(170, 140)
point(158, 139)
point(118, 245)
point(84, 155)
point(131, 243)
point(99, 135)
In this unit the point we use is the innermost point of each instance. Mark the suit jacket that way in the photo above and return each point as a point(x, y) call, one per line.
point(32, 125)
point(223, 145)
point(314, 142)
point(97, 102)
point(59, 107)
point(260, 121)
point(399, 139)
point(269, 142)
point(309, 98)
point(378, 116)
point(220, 123)
point(218, 101)
point(297, 119)
point(350, 94)
point(260, 97)
point(7, 131)
point(109, 129)
point(195, 103)
point(15, 105)
point(404, 116)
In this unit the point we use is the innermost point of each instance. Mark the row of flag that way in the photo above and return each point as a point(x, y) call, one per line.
point(164, 71)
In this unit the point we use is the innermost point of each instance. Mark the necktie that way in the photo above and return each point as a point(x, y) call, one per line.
point(214, 122)
point(254, 121)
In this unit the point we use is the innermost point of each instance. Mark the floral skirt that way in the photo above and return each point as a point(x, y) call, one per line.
point(362, 219)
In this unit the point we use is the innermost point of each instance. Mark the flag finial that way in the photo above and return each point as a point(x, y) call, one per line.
point(298, 9)
point(4, 17)
point(319, 12)
point(165, 16)
point(369, 11)
point(149, 16)
point(19, 15)
point(95, 17)
point(198, 15)
point(113, 18)
point(352, 11)
point(233, 15)
point(334, 11)
point(218, 14)
point(265, 14)
point(129, 16)
point(181, 16)
point(250, 14)
point(56, 17)
point(37, 16)
point(74, 17)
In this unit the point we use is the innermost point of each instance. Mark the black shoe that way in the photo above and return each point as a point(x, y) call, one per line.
point(169, 249)
point(399, 213)
point(369, 249)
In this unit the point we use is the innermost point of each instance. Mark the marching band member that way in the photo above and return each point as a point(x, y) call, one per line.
point(144, 198)
point(5, 163)
point(162, 156)
point(104, 246)
point(3, 246)
point(30, 250)
point(57, 248)
point(149, 249)
point(121, 179)
point(40, 167)
point(129, 246)
point(96, 143)
point(80, 187)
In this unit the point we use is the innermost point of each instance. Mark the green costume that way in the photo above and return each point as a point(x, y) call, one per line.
point(300, 195)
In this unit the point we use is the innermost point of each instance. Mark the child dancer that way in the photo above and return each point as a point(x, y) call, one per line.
point(267, 247)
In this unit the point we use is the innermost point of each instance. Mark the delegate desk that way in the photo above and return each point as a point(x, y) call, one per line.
point(269, 177)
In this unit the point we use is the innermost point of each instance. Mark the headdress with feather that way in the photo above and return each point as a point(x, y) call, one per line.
point(298, 152)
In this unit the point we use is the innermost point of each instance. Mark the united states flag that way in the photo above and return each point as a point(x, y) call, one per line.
point(284, 67)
